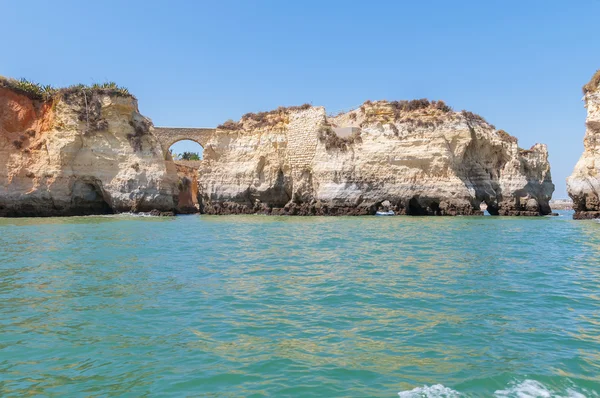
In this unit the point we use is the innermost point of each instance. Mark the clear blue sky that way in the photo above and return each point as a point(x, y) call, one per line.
point(520, 64)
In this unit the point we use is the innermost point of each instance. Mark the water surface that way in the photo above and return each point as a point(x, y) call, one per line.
point(300, 307)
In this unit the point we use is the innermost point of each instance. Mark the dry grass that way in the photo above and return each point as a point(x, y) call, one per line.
point(506, 137)
point(334, 141)
point(593, 84)
point(398, 110)
point(263, 119)
point(475, 118)
point(593, 126)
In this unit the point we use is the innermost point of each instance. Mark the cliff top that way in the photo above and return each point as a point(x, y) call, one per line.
point(418, 112)
point(40, 92)
point(263, 119)
point(593, 84)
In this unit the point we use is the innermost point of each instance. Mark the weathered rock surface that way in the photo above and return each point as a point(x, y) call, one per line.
point(79, 152)
point(583, 185)
point(187, 185)
point(89, 151)
point(416, 157)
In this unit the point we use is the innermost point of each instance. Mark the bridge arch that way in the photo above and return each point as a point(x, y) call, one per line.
point(168, 136)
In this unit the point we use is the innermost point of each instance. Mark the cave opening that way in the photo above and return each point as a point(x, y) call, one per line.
point(415, 208)
point(435, 209)
point(87, 198)
point(489, 209)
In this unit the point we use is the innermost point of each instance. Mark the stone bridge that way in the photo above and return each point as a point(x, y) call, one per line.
point(167, 136)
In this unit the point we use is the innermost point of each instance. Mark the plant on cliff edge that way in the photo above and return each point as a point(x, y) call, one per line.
point(41, 92)
point(593, 83)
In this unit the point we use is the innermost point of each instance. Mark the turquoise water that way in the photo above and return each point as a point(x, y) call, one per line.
point(300, 307)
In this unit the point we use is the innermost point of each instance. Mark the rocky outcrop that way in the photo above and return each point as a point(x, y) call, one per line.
point(583, 185)
point(88, 150)
point(76, 151)
point(417, 158)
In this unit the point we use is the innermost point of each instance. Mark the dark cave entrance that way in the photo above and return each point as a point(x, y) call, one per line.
point(415, 208)
point(87, 198)
point(488, 209)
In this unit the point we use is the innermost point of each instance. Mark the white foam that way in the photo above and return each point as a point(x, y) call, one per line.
point(525, 389)
point(435, 391)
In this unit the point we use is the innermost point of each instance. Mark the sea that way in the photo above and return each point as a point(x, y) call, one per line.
point(265, 306)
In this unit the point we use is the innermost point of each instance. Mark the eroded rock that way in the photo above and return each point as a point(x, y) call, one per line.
point(583, 185)
point(80, 151)
point(416, 157)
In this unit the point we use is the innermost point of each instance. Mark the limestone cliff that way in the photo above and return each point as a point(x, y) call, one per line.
point(79, 151)
point(416, 157)
point(583, 185)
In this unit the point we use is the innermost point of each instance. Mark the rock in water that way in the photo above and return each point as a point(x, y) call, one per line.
point(418, 157)
point(88, 150)
point(583, 185)
point(75, 151)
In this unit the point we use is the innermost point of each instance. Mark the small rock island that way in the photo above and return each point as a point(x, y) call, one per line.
point(583, 185)
point(87, 150)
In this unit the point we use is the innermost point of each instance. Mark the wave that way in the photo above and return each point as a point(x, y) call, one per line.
point(524, 389)
point(435, 391)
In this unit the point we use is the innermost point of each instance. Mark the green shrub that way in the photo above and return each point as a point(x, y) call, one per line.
point(41, 92)
point(190, 156)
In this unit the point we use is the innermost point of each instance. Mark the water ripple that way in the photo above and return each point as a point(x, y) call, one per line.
point(291, 306)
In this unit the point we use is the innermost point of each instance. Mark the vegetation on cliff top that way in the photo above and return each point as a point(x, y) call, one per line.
point(593, 84)
point(263, 119)
point(334, 141)
point(40, 92)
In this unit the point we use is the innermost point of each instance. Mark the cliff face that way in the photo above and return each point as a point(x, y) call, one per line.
point(88, 150)
point(413, 157)
point(77, 152)
point(583, 185)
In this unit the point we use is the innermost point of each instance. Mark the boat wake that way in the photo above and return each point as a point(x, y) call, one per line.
point(525, 389)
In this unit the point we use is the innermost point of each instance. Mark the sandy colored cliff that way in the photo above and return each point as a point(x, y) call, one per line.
point(413, 157)
point(583, 185)
point(78, 151)
point(88, 150)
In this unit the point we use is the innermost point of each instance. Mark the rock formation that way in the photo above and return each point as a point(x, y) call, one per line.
point(88, 150)
point(583, 185)
point(81, 150)
point(417, 157)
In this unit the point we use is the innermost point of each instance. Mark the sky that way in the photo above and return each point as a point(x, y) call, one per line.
point(519, 64)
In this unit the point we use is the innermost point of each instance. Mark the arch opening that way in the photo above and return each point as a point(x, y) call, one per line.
point(186, 154)
point(185, 150)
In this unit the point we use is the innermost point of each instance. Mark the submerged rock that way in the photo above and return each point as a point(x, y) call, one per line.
point(158, 213)
point(583, 185)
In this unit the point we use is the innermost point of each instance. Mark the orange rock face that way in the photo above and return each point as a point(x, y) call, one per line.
point(19, 113)
point(81, 152)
